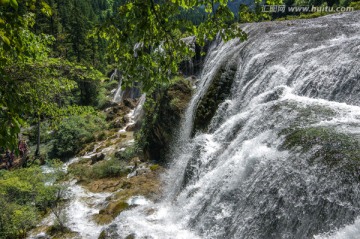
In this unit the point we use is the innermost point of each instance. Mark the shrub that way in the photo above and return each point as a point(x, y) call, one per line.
point(74, 132)
point(104, 169)
point(108, 168)
point(24, 195)
point(127, 154)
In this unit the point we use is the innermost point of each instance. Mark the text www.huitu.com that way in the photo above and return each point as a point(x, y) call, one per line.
point(304, 9)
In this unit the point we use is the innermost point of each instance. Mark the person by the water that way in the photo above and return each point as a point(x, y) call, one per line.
point(23, 148)
point(8, 159)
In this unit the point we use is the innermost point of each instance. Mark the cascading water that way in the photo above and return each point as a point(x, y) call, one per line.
point(119, 93)
point(280, 158)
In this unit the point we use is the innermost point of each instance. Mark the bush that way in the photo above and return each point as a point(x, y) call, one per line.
point(128, 153)
point(24, 196)
point(104, 169)
point(74, 132)
point(108, 169)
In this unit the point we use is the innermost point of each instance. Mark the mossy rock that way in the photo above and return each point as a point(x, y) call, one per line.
point(120, 207)
point(325, 144)
point(218, 91)
point(108, 214)
point(60, 232)
point(102, 235)
point(154, 167)
point(162, 119)
point(305, 114)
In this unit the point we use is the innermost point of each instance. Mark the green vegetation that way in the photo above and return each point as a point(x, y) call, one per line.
point(355, 5)
point(150, 36)
point(330, 147)
point(162, 118)
point(74, 132)
point(104, 169)
point(216, 94)
point(24, 197)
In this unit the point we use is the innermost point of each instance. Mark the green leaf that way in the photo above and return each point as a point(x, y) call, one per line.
point(14, 4)
point(4, 39)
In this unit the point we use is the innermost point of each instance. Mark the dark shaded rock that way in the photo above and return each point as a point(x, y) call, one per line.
point(97, 157)
point(131, 103)
point(110, 232)
point(194, 65)
point(116, 111)
point(160, 124)
point(218, 91)
point(116, 115)
point(107, 104)
point(131, 127)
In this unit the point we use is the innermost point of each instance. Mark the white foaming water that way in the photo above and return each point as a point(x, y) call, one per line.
point(84, 205)
point(151, 219)
point(81, 209)
point(138, 200)
point(135, 114)
point(348, 232)
point(250, 175)
point(119, 93)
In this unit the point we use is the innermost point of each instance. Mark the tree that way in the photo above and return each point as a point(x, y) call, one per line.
point(33, 84)
point(17, 45)
point(145, 37)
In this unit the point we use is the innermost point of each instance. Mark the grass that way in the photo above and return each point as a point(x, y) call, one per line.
point(104, 169)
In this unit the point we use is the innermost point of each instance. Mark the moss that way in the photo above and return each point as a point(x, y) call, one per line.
point(154, 167)
point(218, 91)
point(60, 232)
point(119, 207)
point(102, 235)
point(108, 214)
point(328, 145)
point(128, 154)
point(104, 169)
point(302, 115)
point(163, 113)
point(131, 236)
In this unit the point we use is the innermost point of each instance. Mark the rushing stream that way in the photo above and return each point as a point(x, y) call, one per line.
point(82, 205)
point(280, 158)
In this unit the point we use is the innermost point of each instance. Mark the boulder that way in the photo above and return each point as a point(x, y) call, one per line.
point(97, 157)
point(160, 125)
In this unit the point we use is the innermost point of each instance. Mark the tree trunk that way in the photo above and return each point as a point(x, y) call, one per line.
point(37, 151)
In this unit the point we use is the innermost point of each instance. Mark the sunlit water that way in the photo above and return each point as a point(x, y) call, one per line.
point(237, 179)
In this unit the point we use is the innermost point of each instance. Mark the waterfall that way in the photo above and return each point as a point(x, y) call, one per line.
point(119, 93)
point(139, 111)
point(280, 157)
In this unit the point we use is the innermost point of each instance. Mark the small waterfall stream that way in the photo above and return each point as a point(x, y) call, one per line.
point(280, 157)
point(118, 93)
point(82, 204)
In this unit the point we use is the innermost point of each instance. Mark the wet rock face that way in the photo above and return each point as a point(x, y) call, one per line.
point(194, 65)
point(110, 232)
point(162, 124)
point(116, 114)
point(97, 157)
point(218, 91)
